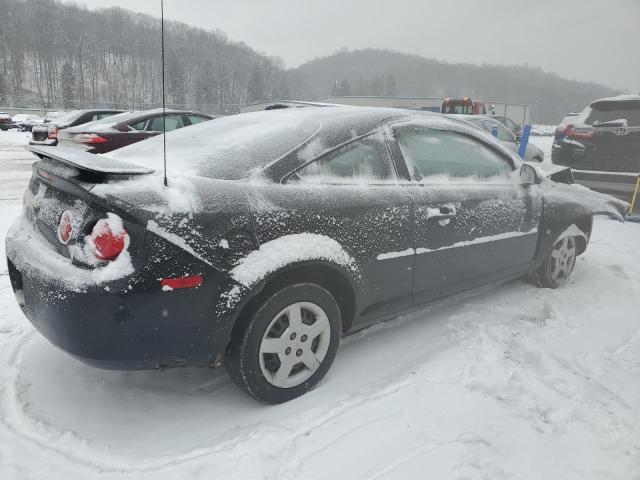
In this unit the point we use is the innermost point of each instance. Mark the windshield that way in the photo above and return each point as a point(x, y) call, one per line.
point(228, 148)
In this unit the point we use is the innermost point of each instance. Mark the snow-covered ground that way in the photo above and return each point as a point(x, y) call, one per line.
point(511, 382)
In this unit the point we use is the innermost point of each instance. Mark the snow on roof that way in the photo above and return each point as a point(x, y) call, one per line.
point(624, 97)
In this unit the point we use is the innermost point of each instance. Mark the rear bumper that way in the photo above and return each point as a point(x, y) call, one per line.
point(48, 142)
point(619, 185)
point(121, 324)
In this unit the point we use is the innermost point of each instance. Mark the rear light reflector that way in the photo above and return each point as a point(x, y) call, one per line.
point(45, 174)
point(53, 134)
point(108, 238)
point(89, 139)
point(193, 281)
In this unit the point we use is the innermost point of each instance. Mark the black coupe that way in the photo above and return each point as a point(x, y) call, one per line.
point(279, 232)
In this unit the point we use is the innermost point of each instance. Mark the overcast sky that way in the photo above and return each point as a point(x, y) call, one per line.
point(592, 40)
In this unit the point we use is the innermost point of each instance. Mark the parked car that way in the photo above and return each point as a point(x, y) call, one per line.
point(560, 133)
point(533, 153)
point(602, 145)
point(25, 121)
point(510, 124)
point(124, 129)
point(5, 121)
point(47, 133)
point(277, 233)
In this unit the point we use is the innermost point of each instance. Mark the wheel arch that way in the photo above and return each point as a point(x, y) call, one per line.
point(342, 284)
point(551, 231)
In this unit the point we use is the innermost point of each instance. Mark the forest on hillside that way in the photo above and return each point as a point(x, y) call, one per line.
point(62, 55)
point(55, 55)
point(388, 73)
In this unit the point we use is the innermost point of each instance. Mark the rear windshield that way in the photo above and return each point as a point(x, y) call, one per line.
point(110, 120)
point(68, 117)
point(610, 111)
point(227, 148)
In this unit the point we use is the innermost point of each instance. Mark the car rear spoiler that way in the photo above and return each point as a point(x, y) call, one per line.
point(88, 161)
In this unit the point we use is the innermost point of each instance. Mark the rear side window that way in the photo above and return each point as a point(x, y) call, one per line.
point(173, 122)
point(139, 125)
point(365, 159)
point(195, 119)
point(610, 111)
point(504, 135)
point(434, 153)
point(102, 115)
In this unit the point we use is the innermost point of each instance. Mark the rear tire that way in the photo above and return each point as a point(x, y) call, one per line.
point(558, 266)
point(287, 344)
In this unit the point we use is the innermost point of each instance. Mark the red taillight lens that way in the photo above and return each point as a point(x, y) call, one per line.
point(53, 134)
point(194, 281)
point(580, 133)
point(90, 138)
point(109, 238)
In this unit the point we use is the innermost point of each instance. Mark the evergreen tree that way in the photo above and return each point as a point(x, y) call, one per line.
point(390, 86)
point(344, 88)
point(68, 82)
point(377, 86)
point(256, 89)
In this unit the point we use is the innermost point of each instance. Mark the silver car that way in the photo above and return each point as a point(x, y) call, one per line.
point(533, 153)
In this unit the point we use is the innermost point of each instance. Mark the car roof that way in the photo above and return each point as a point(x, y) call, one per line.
point(619, 98)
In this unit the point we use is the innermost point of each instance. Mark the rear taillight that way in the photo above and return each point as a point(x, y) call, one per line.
point(53, 134)
point(579, 133)
point(89, 138)
point(108, 238)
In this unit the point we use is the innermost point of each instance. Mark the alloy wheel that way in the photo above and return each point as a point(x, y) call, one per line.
point(563, 259)
point(294, 344)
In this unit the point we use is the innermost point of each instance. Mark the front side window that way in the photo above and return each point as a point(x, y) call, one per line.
point(365, 159)
point(173, 122)
point(437, 153)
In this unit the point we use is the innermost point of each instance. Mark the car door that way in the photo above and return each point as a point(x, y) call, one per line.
point(352, 196)
point(473, 220)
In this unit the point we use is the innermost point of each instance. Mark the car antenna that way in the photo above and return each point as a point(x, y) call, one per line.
point(164, 105)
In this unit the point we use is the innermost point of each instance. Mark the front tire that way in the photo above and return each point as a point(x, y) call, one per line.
point(287, 345)
point(558, 266)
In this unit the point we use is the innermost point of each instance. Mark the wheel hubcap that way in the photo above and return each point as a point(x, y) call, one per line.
point(294, 344)
point(563, 259)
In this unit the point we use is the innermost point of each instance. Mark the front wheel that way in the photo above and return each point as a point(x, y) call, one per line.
point(558, 265)
point(287, 345)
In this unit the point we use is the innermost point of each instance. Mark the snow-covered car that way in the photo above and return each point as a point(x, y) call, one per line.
point(24, 121)
point(533, 153)
point(277, 232)
point(47, 132)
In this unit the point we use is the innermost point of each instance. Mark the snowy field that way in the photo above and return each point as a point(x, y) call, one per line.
point(511, 382)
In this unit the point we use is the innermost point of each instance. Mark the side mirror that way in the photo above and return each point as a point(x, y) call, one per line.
point(529, 175)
